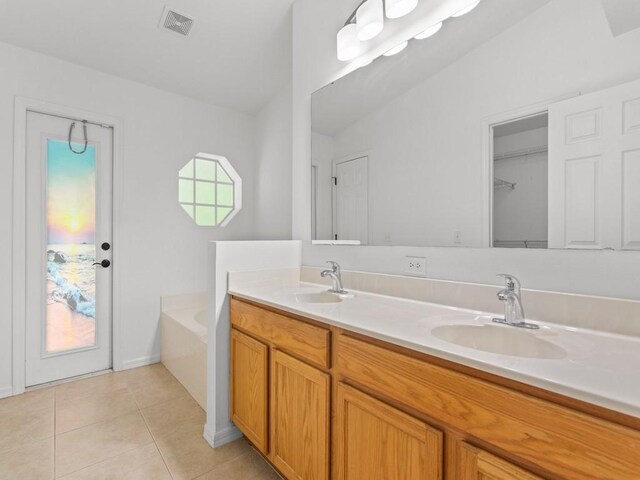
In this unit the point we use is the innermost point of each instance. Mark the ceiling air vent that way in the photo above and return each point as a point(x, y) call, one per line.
point(176, 22)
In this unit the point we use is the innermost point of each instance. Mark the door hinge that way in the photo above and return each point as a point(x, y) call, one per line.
point(335, 180)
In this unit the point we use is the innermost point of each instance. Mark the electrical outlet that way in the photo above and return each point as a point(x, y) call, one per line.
point(416, 266)
point(457, 237)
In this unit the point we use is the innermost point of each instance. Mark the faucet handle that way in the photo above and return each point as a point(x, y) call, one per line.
point(335, 266)
point(511, 282)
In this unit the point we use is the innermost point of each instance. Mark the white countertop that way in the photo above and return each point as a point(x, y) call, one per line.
point(599, 368)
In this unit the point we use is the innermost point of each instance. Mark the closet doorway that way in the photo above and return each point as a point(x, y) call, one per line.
point(520, 183)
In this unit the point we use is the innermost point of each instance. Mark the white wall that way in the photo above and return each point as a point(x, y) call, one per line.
point(583, 60)
point(161, 250)
point(225, 257)
point(273, 168)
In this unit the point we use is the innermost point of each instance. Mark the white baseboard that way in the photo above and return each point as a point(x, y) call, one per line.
point(140, 362)
point(6, 392)
point(217, 439)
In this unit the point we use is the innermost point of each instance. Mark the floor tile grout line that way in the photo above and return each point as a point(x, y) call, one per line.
point(112, 417)
point(103, 460)
point(135, 402)
point(153, 437)
point(138, 411)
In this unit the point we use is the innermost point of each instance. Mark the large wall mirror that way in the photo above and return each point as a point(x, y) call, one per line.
point(516, 126)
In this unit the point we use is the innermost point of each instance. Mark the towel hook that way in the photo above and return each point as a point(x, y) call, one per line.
point(86, 140)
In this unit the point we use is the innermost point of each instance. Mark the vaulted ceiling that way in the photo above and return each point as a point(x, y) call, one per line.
point(238, 54)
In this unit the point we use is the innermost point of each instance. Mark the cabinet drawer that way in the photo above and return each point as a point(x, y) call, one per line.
point(302, 339)
point(556, 439)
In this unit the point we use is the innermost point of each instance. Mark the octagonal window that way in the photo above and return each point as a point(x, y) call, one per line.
point(209, 190)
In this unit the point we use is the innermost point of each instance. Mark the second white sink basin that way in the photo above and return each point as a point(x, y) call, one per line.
point(504, 340)
point(317, 297)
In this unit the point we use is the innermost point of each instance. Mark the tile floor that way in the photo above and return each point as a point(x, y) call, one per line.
point(139, 424)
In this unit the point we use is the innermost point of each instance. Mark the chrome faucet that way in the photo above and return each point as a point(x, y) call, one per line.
point(513, 311)
point(336, 278)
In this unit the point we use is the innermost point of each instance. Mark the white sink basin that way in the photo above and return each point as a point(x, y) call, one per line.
point(317, 297)
point(504, 340)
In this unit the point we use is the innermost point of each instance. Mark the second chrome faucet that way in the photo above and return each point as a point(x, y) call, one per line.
point(513, 311)
point(336, 278)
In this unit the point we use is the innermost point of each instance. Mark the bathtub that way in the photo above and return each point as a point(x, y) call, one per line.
point(183, 334)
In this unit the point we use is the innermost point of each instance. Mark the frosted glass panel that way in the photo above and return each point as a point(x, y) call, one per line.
point(188, 209)
point(187, 170)
point(185, 191)
point(222, 175)
point(206, 193)
point(223, 212)
point(225, 195)
point(71, 219)
point(205, 215)
point(205, 170)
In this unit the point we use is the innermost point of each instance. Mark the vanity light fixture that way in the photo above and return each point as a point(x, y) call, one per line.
point(466, 9)
point(348, 43)
point(367, 21)
point(399, 8)
point(370, 19)
point(397, 49)
point(429, 32)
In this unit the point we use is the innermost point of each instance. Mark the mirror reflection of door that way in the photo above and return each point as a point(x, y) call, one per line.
point(594, 170)
point(352, 198)
point(69, 198)
point(520, 185)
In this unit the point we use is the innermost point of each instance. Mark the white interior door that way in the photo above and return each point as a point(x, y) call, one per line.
point(352, 200)
point(594, 170)
point(69, 217)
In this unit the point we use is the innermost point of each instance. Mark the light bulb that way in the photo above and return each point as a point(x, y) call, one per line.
point(399, 8)
point(397, 49)
point(364, 62)
point(429, 32)
point(348, 43)
point(370, 19)
point(466, 9)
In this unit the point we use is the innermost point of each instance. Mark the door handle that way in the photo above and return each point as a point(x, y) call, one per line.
point(104, 263)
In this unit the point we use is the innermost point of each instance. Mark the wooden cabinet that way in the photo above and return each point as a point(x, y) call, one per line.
point(378, 442)
point(557, 439)
point(280, 394)
point(387, 403)
point(299, 418)
point(249, 387)
point(480, 465)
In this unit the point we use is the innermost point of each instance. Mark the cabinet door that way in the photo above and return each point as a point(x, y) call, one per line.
point(480, 465)
point(249, 387)
point(299, 418)
point(377, 441)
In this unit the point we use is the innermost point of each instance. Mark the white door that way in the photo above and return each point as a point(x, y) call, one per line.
point(69, 198)
point(352, 197)
point(594, 170)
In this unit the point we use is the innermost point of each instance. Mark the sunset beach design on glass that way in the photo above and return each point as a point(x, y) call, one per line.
point(71, 221)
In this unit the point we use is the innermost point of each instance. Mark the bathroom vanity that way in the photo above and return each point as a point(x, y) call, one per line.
point(323, 390)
